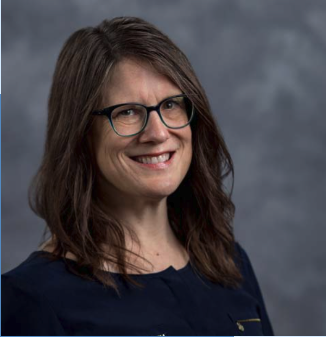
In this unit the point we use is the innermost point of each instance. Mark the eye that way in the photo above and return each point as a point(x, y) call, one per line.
point(126, 113)
point(170, 104)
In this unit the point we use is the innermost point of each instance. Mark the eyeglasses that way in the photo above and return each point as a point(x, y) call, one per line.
point(130, 119)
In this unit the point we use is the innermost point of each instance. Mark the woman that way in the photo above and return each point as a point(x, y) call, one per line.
point(131, 189)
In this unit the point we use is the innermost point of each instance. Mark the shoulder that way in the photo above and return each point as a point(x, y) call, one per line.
point(241, 258)
point(40, 279)
point(251, 285)
point(250, 282)
point(26, 309)
point(38, 271)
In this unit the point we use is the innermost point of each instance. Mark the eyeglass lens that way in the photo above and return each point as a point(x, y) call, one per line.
point(130, 118)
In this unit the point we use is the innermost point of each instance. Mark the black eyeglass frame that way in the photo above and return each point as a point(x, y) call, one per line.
point(108, 112)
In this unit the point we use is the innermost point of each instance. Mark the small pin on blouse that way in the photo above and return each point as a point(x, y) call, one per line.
point(240, 326)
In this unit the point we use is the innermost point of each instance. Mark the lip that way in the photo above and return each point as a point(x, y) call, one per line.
point(158, 166)
point(155, 154)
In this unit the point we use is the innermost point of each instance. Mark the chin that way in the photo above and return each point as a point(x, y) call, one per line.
point(161, 190)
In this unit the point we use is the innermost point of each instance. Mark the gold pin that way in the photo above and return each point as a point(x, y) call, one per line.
point(240, 326)
point(249, 320)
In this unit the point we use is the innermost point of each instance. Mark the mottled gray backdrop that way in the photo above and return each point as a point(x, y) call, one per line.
point(263, 66)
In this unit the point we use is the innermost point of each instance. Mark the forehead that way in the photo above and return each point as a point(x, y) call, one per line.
point(138, 81)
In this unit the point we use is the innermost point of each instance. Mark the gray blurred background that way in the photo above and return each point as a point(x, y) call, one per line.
point(263, 66)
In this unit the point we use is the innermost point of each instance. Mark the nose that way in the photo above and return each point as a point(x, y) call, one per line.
point(155, 130)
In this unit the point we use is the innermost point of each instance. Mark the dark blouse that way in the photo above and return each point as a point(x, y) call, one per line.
point(40, 297)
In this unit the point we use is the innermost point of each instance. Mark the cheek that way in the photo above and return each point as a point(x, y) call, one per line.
point(108, 158)
point(188, 145)
point(187, 152)
point(105, 148)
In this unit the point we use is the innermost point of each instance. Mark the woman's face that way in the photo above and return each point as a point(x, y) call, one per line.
point(120, 175)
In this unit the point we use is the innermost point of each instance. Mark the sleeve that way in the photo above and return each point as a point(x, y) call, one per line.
point(25, 312)
point(251, 282)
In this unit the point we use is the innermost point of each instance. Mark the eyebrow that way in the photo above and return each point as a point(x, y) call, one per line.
point(135, 102)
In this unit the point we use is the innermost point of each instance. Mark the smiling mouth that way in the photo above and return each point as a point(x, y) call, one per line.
point(153, 159)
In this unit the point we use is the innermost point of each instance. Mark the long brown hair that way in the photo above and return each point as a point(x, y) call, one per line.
point(63, 192)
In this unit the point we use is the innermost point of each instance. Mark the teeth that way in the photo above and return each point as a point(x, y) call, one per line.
point(154, 160)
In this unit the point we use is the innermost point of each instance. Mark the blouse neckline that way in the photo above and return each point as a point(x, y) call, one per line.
point(161, 273)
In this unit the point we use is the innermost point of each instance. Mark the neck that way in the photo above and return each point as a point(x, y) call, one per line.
point(148, 220)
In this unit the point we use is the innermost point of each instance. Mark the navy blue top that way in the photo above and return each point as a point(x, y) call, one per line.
point(40, 297)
